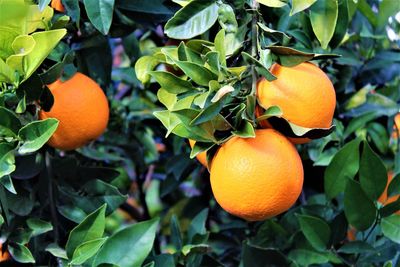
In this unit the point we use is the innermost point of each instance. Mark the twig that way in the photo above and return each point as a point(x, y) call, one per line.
point(53, 211)
point(254, 41)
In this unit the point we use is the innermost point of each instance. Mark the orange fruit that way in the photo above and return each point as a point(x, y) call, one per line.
point(257, 178)
point(351, 233)
point(384, 199)
point(81, 107)
point(57, 5)
point(396, 126)
point(202, 157)
point(304, 93)
point(4, 256)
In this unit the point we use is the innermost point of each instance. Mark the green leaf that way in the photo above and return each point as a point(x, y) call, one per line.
point(38, 226)
point(391, 227)
point(176, 235)
point(360, 211)
point(6, 73)
point(261, 69)
point(358, 123)
point(323, 16)
point(9, 123)
point(144, 66)
point(192, 20)
point(56, 251)
point(20, 253)
point(304, 257)
point(36, 134)
point(171, 83)
point(356, 247)
point(373, 174)
point(316, 230)
point(86, 250)
point(290, 57)
point(7, 159)
point(387, 8)
point(341, 25)
point(46, 41)
point(92, 227)
point(394, 186)
point(219, 43)
point(6, 181)
point(129, 246)
point(364, 7)
point(390, 208)
point(342, 167)
point(198, 225)
point(300, 5)
point(272, 3)
point(208, 113)
point(199, 74)
point(100, 14)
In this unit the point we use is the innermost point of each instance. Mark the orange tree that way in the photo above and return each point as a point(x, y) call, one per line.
point(289, 106)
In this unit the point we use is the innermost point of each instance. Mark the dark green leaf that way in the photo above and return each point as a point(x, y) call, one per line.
point(373, 174)
point(39, 226)
point(7, 159)
point(360, 211)
point(100, 13)
point(261, 69)
point(316, 230)
point(9, 123)
point(394, 186)
point(20, 253)
point(254, 256)
point(304, 257)
point(138, 238)
point(343, 166)
point(198, 224)
point(356, 247)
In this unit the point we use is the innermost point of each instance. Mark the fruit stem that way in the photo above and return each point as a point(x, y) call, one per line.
point(254, 41)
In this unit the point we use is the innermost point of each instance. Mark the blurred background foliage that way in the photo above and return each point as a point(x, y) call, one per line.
point(159, 209)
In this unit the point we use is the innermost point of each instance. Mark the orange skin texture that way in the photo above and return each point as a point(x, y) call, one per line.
point(257, 178)
point(57, 5)
point(4, 256)
point(201, 157)
point(351, 233)
point(304, 93)
point(384, 199)
point(82, 109)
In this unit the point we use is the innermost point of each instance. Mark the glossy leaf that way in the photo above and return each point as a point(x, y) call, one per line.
point(391, 227)
point(86, 250)
point(36, 134)
point(373, 174)
point(360, 211)
point(344, 166)
point(199, 74)
point(20, 253)
point(192, 20)
point(100, 13)
point(300, 5)
point(129, 246)
point(323, 16)
point(316, 230)
point(92, 227)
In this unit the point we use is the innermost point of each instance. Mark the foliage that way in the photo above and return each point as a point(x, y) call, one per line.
point(70, 208)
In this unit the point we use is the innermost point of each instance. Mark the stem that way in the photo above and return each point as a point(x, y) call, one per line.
point(53, 211)
point(50, 177)
point(254, 41)
point(348, 263)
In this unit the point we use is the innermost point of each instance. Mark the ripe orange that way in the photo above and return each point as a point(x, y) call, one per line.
point(257, 178)
point(57, 5)
point(82, 109)
point(351, 233)
point(202, 157)
point(4, 256)
point(304, 93)
point(396, 126)
point(384, 199)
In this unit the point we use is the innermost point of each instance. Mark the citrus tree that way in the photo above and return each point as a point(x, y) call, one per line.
point(200, 132)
